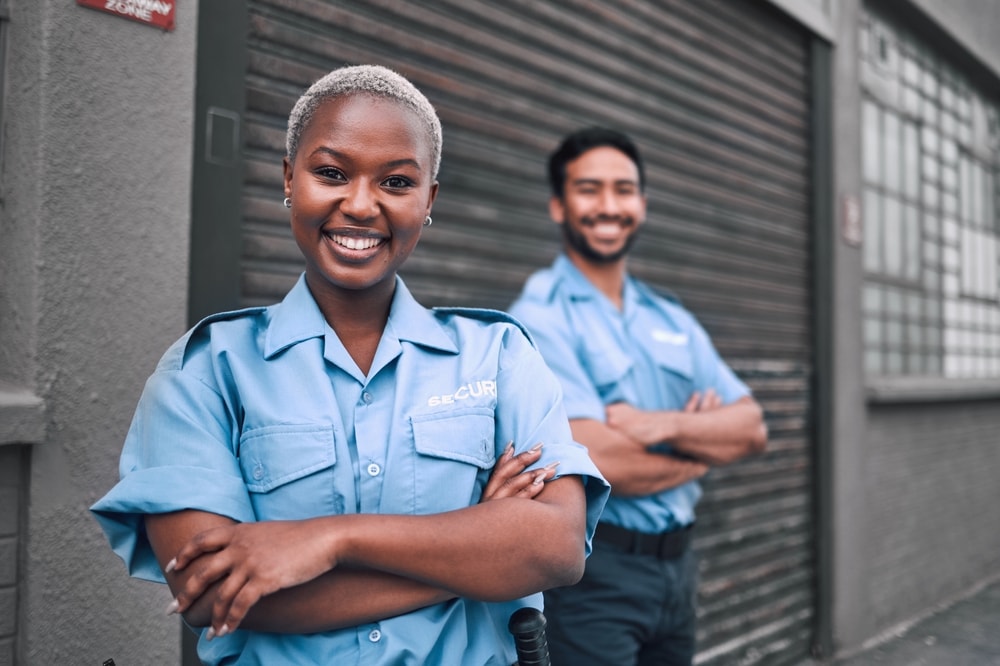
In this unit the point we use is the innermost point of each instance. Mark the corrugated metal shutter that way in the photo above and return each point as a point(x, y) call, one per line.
point(715, 92)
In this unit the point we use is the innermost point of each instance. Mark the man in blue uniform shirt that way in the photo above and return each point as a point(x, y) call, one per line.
point(647, 393)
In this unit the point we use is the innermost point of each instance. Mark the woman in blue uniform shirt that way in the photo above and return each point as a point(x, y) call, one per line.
point(329, 480)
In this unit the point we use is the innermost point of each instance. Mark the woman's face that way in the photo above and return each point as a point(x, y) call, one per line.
point(361, 188)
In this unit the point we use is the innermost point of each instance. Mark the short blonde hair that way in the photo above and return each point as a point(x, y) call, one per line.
point(367, 79)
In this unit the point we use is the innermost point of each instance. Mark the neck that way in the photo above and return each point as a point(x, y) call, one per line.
point(358, 317)
point(609, 278)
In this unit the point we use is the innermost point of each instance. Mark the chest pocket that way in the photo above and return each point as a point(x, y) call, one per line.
point(675, 369)
point(289, 471)
point(607, 366)
point(455, 455)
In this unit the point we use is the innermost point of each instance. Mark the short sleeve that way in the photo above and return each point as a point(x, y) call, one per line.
point(581, 399)
point(717, 374)
point(530, 410)
point(178, 454)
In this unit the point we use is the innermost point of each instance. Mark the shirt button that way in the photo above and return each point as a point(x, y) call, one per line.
point(258, 472)
point(374, 469)
point(374, 635)
point(367, 397)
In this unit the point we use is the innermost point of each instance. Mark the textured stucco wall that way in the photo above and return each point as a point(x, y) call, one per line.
point(97, 185)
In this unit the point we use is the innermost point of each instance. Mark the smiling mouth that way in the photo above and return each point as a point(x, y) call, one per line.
point(354, 242)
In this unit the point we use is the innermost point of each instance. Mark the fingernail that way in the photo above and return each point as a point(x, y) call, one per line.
point(537, 447)
point(210, 634)
point(172, 608)
point(539, 477)
point(509, 450)
point(171, 565)
point(552, 465)
point(223, 630)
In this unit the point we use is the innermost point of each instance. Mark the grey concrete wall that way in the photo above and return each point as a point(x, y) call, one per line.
point(912, 490)
point(974, 24)
point(932, 493)
point(95, 229)
point(850, 543)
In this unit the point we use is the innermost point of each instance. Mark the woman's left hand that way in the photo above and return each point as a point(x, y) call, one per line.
point(251, 560)
point(509, 479)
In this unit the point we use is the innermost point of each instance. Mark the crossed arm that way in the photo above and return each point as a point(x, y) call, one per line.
point(338, 571)
point(705, 431)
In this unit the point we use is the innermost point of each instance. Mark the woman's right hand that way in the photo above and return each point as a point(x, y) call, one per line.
point(250, 561)
point(509, 479)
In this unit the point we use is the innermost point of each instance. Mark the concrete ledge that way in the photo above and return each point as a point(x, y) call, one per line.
point(931, 389)
point(22, 416)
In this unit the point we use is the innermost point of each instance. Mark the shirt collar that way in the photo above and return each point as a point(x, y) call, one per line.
point(410, 321)
point(579, 287)
point(299, 318)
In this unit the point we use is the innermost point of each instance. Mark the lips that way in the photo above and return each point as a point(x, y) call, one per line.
point(608, 230)
point(355, 242)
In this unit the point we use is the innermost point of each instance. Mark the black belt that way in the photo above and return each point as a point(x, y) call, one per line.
point(665, 546)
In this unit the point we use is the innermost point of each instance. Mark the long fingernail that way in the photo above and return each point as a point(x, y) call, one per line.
point(552, 465)
point(210, 634)
point(537, 447)
point(509, 450)
point(223, 630)
point(540, 477)
point(172, 608)
point(171, 565)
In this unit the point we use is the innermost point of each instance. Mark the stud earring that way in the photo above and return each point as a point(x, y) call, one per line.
point(287, 202)
point(428, 221)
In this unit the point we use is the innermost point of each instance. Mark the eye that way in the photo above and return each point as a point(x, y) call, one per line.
point(397, 182)
point(331, 173)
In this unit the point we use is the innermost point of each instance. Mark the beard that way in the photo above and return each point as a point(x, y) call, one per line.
point(578, 242)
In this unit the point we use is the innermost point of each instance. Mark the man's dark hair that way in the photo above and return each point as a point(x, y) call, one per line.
point(581, 141)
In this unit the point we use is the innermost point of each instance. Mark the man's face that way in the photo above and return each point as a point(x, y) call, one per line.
point(602, 206)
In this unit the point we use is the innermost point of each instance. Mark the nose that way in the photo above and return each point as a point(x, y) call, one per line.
point(609, 204)
point(360, 200)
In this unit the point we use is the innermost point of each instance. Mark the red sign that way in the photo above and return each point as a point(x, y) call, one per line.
point(153, 12)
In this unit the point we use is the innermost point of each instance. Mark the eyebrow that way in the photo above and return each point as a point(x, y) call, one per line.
point(598, 181)
point(403, 161)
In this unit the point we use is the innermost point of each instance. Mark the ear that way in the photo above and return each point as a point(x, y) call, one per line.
point(287, 168)
point(433, 196)
point(557, 211)
point(642, 210)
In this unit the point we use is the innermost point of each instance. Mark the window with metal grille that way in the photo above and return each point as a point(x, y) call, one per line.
point(931, 158)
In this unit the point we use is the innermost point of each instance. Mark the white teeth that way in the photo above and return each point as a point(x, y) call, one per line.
point(352, 243)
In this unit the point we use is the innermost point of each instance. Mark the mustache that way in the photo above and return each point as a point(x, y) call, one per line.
point(592, 220)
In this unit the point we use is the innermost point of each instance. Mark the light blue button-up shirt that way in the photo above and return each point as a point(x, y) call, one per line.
point(652, 354)
point(263, 415)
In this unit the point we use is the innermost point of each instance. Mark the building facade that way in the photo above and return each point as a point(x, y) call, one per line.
point(823, 182)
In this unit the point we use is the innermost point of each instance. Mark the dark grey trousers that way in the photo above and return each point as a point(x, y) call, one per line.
point(627, 610)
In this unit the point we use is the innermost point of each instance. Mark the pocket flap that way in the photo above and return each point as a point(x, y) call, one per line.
point(464, 435)
point(274, 455)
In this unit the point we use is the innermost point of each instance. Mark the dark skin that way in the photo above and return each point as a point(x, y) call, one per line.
point(361, 187)
point(601, 209)
point(344, 597)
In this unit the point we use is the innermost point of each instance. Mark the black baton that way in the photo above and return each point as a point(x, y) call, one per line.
point(528, 628)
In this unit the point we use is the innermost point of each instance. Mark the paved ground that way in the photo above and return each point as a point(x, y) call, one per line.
point(966, 633)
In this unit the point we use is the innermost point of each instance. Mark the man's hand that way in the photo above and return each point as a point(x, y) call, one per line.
point(649, 428)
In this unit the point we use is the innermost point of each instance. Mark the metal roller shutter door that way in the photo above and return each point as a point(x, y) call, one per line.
point(716, 94)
